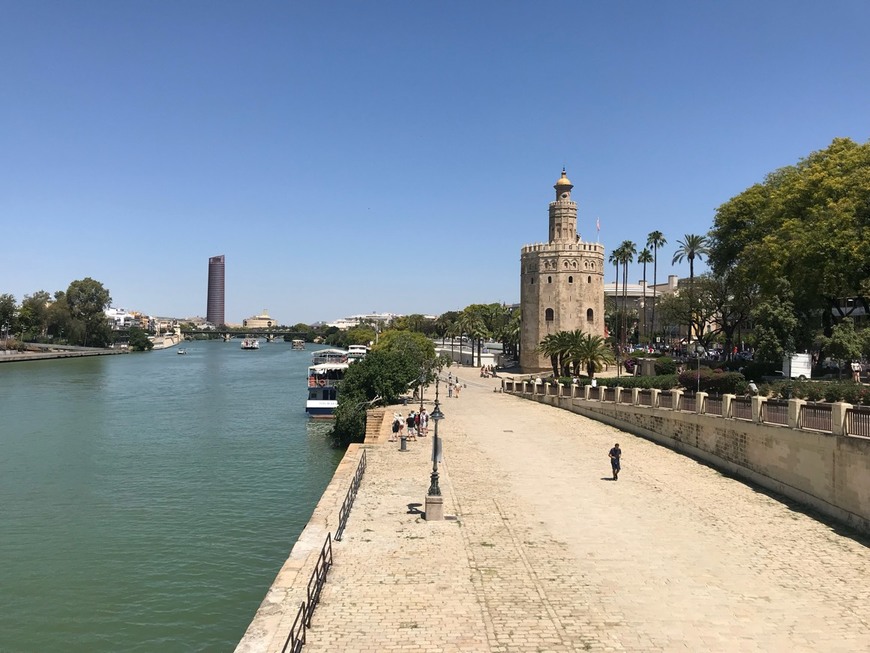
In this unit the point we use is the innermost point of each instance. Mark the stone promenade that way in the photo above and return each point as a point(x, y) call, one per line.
point(541, 551)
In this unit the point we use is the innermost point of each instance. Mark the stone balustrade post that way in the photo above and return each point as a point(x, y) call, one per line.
point(727, 405)
point(654, 397)
point(617, 391)
point(634, 396)
point(700, 402)
point(757, 403)
point(838, 417)
point(676, 398)
point(794, 412)
point(586, 390)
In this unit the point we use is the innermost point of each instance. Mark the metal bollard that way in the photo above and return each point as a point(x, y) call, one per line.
point(404, 445)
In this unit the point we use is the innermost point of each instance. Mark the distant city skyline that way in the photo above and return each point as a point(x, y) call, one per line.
point(349, 158)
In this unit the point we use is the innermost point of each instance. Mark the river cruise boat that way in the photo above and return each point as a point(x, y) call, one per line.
point(298, 345)
point(250, 343)
point(356, 352)
point(324, 379)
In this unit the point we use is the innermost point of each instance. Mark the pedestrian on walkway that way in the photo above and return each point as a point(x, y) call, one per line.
point(456, 389)
point(450, 389)
point(856, 371)
point(615, 454)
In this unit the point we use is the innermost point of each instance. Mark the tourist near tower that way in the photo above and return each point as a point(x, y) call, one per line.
point(561, 282)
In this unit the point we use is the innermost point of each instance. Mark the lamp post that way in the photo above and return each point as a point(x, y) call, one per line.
point(422, 381)
point(5, 339)
point(434, 500)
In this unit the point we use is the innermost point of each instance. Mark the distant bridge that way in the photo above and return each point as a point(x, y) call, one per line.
point(269, 334)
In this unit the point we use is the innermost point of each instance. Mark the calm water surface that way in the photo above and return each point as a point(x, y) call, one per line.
point(148, 500)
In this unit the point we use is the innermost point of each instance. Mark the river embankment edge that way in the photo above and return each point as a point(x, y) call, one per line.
point(272, 621)
point(54, 352)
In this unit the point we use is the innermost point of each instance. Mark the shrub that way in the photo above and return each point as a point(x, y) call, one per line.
point(713, 381)
point(665, 365)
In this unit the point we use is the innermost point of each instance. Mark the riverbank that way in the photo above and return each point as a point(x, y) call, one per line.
point(53, 352)
point(541, 550)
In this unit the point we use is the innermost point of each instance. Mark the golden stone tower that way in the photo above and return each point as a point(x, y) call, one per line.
point(561, 282)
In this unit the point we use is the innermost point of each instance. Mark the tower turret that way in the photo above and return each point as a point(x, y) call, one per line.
point(563, 213)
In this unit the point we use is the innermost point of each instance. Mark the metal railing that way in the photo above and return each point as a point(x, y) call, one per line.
point(609, 394)
point(713, 406)
point(666, 400)
point(318, 578)
point(858, 421)
point(344, 511)
point(296, 639)
point(595, 393)
point(741, 408)
point(644, 397)
point(816, 416)
point(775, 411)
point(626, 396)
point(688, 403)
point(566, 390)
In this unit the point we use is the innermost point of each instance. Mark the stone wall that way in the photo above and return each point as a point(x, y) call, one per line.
point(830, 473)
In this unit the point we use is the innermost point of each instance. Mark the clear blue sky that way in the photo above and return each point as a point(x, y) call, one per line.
point(350, 157)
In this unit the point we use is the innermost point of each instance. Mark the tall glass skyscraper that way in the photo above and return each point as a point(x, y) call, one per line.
point(215, 311)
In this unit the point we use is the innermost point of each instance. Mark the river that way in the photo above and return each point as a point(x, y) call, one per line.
point(148, 500)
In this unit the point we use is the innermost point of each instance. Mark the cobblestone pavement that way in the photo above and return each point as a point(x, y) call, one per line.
point(543, 552)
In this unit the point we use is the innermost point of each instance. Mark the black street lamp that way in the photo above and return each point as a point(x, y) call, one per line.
point(422, 381)
point(436, 416)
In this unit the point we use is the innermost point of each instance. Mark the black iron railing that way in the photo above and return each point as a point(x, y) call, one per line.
point(344, 511)
point(609, 394)
point(644, 397)
point(318, 578)
point(296, 638)
point(666, 399)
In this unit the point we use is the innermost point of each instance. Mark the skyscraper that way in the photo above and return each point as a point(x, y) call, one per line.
point(215, 310)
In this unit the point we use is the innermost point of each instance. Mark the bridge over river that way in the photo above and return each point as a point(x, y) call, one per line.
point(544, 552)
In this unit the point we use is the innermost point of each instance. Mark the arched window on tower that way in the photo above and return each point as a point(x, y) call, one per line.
point(589, 315)
point(532, 280)
point(588, 279)
point(570, 279)
point(548, 315)
point(549, 279)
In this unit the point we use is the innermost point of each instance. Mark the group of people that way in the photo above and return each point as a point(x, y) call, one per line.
point(488, 371)
point(416, 423)
point(453, 387)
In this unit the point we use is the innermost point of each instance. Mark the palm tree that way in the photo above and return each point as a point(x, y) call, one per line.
point(655, 240)
point(549, 347)
point(691, 247)
point(644, 257)
point(627, 251)
point(593, 352)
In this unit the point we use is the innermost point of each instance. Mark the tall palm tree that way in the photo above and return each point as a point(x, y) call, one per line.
point(627, 251)
point(655, 239)
point(549, 347)
point(644, 257)
point(691, 247)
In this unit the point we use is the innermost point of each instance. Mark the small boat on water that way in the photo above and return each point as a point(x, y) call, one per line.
point(250, 343)
point(298, 345)
point(181, 352)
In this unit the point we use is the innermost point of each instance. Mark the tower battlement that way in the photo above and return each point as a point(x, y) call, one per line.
point(547, 248)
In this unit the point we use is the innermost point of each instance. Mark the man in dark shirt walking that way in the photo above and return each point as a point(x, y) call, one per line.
point(614, 454)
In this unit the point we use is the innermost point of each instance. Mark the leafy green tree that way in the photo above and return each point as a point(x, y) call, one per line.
point(34, 313)
point(139, 340)
point(58, 318)
point(845, 343)
point(87, 300)
point(775, 324)
point(808, 224)
point(8, 312)
point(380, 378)
point(656, 240)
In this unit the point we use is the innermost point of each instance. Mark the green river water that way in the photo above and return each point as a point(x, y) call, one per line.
point(148, 500)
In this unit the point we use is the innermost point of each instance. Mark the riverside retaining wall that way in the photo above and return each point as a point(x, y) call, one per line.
point(826, 471)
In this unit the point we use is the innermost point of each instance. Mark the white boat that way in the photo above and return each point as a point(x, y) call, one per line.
point(298, 345)
point(181, 351)
point(324, 380)
point(356, 352)
point(250, 343)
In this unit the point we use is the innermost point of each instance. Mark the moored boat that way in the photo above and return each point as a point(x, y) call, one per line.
point(297, 344)
point(250, 343)
point(324, 380)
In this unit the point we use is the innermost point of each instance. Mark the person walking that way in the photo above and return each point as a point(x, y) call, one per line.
point(856, 371)
point(615, 455)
